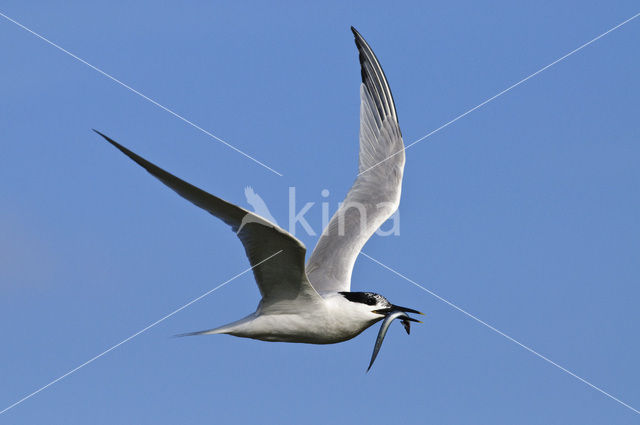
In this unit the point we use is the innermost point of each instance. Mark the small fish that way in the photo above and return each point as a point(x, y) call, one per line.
point(406, 319)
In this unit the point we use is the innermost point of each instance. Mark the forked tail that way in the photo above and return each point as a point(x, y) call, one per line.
point(221, 330)
point(229, 328)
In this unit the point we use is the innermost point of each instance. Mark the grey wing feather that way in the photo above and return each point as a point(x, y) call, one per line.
point(375, 195)
point(280, 278)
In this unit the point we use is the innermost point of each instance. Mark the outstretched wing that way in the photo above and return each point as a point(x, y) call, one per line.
point(375, 195)
point(276, 256)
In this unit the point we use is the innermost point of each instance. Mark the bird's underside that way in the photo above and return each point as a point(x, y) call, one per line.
point(313, 303)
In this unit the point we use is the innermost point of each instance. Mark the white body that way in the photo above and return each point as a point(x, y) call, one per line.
point(333, 319)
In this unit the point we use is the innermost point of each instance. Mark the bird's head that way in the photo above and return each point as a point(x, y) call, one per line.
point(380, 307)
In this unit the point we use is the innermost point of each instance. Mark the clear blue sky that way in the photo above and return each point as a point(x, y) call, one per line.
point(525, 212)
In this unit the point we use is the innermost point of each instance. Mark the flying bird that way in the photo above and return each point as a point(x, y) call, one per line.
point(314, 303)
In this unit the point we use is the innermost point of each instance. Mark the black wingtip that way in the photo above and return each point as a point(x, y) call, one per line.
point(357, 35)
point(373, 77)
point(107, 138)
point(141, 161)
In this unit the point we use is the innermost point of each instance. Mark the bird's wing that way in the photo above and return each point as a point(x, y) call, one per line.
point(375, 195)
point(276, 256)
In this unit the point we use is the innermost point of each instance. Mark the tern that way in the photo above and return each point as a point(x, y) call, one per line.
point(314, 303)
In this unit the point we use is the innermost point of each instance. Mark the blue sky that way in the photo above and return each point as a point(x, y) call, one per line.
point(524, 213)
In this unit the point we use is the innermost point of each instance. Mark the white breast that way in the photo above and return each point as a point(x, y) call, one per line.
point(334, 320)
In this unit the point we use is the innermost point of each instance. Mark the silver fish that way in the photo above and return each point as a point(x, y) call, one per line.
point(406, 319)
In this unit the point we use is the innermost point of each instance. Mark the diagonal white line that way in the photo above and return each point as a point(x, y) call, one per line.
point(175, 114)
point(504, 91)
point(135, 335)
point(529, 349)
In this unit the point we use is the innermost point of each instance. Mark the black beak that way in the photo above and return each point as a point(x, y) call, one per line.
point(385, 311)
point(407, 310)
